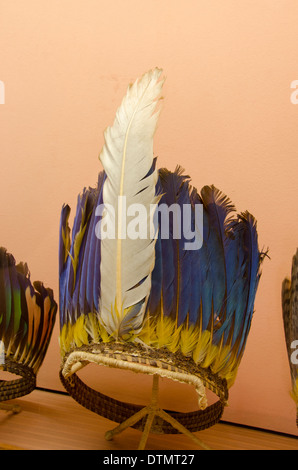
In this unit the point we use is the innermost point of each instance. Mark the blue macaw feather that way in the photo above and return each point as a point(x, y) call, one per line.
point(83, 222)
point(168, 277)
point(251, 241)
point(84, 301)
point(195, 292)
point(85, 289)
point(218, 208)
point(76, 255)
point(205, 274)
point(88, 261)
point(90, 277)
point(234, 266)
point(75, 307)
point(170, 186)
point(97, 251)
point(185, 257)
point(250, 246)
point(201, 279)
point(239, 293)
point(243, 262)
point(66, 274)
point(79, 280)
point(173, 267)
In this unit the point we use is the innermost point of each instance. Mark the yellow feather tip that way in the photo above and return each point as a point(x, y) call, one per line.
point(161, 332)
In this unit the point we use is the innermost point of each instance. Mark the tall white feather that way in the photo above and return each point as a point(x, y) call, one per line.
point(127, 157)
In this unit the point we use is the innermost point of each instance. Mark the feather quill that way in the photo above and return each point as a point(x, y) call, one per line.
point(127, 157)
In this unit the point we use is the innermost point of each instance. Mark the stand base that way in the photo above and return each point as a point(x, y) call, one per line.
point(153, 410)
point(13, 408)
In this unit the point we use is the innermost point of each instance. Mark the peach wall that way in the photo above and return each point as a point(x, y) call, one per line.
point(227, 118)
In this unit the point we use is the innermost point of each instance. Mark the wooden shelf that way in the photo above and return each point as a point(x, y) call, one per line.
point(53, 421)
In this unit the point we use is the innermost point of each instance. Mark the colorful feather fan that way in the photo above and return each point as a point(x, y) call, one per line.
point(290, 320)
point(27, 317)
point(148, 290)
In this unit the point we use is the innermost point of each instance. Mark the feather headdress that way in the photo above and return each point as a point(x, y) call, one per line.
point(27, 317)
point(290, 321)
point(180, 295)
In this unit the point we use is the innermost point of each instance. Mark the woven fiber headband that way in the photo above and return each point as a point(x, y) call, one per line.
point(137, 359)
